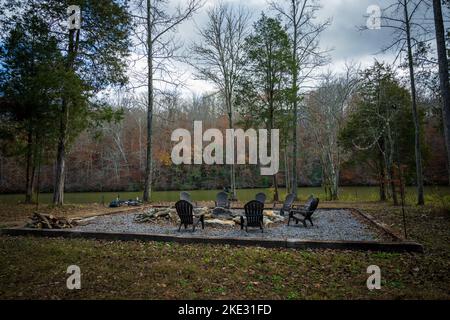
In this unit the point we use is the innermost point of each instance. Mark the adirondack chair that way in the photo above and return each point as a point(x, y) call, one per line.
point(222, 200)
point(253, 215)
point(185, 196)
point(185, 212)
point(287, 205)
point(304, 214)
point(261, 197)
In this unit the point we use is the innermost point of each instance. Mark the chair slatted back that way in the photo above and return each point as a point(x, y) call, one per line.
point(288, 202)
point(308, 202)
point(314, 204)
point(254, 213)
point(261, 197)
point(222, 200)
point(184, 210)
point(312, 207)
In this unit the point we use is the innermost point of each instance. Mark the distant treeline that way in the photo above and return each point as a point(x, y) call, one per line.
point(112, 158)
point(93, 107)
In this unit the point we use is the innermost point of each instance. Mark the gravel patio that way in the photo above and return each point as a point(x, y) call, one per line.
point(336, 224)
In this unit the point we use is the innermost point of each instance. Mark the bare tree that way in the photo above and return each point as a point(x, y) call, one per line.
point(219, 57)
point(304, 32)
point(443, 74)
point(325, 115)
point(409, 34)
point(155, 35)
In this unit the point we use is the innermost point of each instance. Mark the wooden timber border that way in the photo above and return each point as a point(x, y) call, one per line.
point(396, 245)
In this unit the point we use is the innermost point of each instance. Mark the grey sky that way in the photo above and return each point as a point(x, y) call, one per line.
point(348, 44)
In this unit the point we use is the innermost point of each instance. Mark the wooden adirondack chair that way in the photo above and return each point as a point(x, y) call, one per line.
point(222, 200)
point(304, 214)
point(253, 215)
point(287, 205)
point(185, 212)
point(185, 196)
point(261, 197)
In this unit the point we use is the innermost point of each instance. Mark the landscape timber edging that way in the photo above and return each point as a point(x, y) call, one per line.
point(113, 212)
point(403, 246)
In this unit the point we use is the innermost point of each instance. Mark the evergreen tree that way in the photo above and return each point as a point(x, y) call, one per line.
point(265, 91)
point(89, 60)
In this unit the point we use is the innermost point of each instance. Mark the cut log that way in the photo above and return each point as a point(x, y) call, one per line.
point(45, 221)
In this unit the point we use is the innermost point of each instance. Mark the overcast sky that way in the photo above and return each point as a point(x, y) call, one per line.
point(348, 44)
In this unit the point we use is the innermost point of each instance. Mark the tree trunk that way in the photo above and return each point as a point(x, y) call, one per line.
point(295, 107)
point(382, 190)
point(276, 196)
point(58, 192)
point(149, 161)
point(394, 191)
point(335, 185)
point(229, 105)
point(232, 166)
point(38, 187)
point(29, 170)
point(294, 151)
point(443, 75)
point(419, 178)
point(382, 178)
point(286, 171)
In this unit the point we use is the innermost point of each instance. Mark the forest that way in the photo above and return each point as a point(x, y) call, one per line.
point(93, 108)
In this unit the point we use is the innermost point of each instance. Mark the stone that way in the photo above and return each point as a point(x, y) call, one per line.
point(273, 216)
point(222, 214)
point(200, 211)
point(278, 218)
point(218, 211)
point(220, 223)
point(209, 216)
point(237, 220)
point(174, 216)
point(149, 212)
point(267, 222)
point(162, 213)
point(269, 213)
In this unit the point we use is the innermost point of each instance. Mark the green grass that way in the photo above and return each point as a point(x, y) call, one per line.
point(35, 268)
point(347, 194)
point(153, 271)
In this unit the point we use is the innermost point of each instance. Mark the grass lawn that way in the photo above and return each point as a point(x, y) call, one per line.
point(348, 194)
point(35, 267)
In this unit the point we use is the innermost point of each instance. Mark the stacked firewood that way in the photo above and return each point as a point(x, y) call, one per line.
point(48, 221)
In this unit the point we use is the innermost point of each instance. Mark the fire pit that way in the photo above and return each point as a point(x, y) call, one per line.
point(213, 217)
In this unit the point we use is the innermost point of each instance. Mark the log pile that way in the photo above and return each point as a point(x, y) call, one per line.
point(48, 221)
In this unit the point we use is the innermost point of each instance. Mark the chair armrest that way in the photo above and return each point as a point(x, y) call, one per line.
point(299, 211)
point(199, 217)
point(297, 216)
